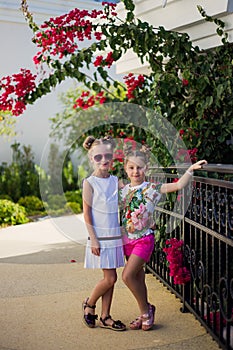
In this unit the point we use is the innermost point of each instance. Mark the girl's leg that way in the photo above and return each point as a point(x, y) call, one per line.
point(106, 320)
point(104, 289)
point(107, 297)
point(134, 277)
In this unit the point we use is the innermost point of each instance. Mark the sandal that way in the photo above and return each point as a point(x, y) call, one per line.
point(148, 319)
point(136, 324)
point(115, 326)
point(88, 319)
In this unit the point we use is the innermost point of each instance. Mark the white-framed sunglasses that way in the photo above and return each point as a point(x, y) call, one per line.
point(107, 156)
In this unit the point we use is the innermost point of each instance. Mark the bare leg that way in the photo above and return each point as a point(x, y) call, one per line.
point(107, 297)
point(104, 289)
point(134, 277)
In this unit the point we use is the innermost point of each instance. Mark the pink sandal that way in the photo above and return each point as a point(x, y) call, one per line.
point(136, 324)
point(148, 319)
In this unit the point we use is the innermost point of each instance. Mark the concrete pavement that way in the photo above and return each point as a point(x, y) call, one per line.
point(42, 291)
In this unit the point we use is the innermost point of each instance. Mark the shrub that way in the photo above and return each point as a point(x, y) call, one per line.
point(56, 202)
point(60, 205)
point(6, 196)
point(74, 196)
point(12, 213)
point(32, 204)
point(75, 207)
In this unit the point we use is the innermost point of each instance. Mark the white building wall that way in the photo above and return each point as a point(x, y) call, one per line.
point(17, 51)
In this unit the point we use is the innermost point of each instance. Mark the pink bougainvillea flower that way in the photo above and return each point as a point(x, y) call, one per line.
point(132, 83)
point(109, 59)
point(174, 253)
point(86, 100)
point(15, 88)
point(98, 61)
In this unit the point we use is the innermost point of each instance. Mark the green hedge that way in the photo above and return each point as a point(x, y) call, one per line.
point(32, 204)
point(12, 213)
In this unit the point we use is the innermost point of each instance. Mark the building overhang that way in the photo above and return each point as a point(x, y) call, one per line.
point(181, 16)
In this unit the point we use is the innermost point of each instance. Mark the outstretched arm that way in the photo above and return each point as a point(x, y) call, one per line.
point(184, 180)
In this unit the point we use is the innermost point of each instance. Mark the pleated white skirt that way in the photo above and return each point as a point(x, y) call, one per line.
point(111, 256)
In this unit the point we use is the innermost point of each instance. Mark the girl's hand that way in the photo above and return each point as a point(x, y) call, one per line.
point(95, 246)
point(197, 165)
point(120, 184)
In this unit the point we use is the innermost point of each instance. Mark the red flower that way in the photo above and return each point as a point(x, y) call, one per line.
point(86, 100)
point(121, 133)
point(182, 132)
point(187, 155)
point(16, 87)
point(100, 97)
point(185, 82)
point(98, 61)
point(132, 141)
point(175, 258)
point(119, 155)
point(109, 60)
point(60, 35)
point(132, 84)
point(98, 35)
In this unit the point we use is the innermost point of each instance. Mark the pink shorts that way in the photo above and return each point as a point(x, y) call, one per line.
point(142, 247)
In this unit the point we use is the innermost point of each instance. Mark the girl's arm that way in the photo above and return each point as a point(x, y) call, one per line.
point(120, 184)
point(184, 180)
point(87, 213)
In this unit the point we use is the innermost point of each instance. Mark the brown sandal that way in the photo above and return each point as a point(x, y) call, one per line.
point(88, 319)
point(115, 326)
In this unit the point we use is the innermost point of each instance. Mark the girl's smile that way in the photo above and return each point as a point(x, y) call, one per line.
point(135, 169)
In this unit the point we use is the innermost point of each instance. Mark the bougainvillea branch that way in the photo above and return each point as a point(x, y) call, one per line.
point(190, 87)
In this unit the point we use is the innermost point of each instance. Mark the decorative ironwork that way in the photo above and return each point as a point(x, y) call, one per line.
point(207, 230)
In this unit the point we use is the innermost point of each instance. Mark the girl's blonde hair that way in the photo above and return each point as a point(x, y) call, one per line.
point(91, 141)
point(143, 152)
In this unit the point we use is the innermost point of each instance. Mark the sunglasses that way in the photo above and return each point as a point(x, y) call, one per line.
point(107, 156)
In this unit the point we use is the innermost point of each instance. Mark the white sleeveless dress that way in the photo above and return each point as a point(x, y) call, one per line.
point(105, 220)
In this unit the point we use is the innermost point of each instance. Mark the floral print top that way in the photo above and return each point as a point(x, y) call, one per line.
point(137, 205)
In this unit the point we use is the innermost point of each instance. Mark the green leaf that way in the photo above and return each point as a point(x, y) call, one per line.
point(129, 5)
point(130, 17)
point(209, 101)
point(52, 80)
point(219, 31)
point(96, 87)
point(220, 90)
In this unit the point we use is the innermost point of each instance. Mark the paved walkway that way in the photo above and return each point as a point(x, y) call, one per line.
point(42, 290)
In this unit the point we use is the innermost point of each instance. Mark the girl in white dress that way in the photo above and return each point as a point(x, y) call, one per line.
point(104, 248)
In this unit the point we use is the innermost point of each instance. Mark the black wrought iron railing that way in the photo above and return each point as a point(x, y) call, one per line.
point(202, 216)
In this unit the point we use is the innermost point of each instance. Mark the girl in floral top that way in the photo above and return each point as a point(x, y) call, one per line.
point(138, 200)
